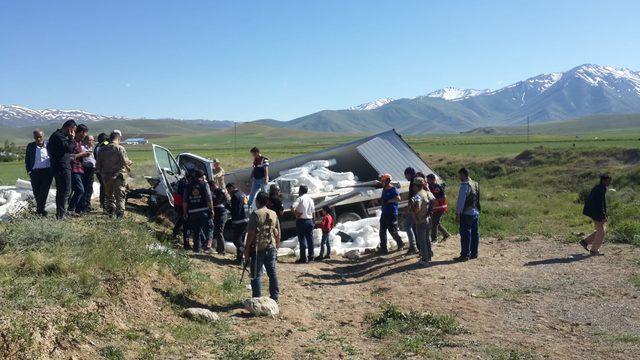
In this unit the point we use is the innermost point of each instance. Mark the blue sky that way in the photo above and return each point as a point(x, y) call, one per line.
point(245, 60)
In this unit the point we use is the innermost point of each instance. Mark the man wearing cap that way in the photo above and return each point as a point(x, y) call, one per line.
point(60, 148)
point(38, 166)
point(389, 217)
point(113, 165)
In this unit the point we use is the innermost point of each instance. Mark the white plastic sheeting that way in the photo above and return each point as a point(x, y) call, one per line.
point(18, 197)
point(317, 177)
point(364, 234)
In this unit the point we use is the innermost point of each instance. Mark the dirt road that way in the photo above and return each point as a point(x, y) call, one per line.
point(526, 299)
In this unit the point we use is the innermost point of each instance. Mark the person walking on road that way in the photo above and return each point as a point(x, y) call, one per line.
point(238, 208)
point(467, 216)
point(439, 208)
point(263, 237)
point(38, 166)
point(410, 174)
point(60, 149)
point(113, 165)
point(421, 205)
point(595, 207)
point(77, 170)
point(389, 217)
point(303, 208)
point(259, 174)
point(197, 208)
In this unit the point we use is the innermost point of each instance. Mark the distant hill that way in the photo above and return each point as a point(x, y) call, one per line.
point(582, 91)
point(588, 124)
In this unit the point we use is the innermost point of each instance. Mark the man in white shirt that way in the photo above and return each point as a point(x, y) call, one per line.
point(38, 166)
point(303, 209)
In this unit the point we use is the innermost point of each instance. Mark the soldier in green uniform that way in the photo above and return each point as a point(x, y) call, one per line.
point(113, 165)
point(263, 237)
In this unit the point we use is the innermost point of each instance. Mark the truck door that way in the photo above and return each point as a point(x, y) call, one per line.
point(168, 170)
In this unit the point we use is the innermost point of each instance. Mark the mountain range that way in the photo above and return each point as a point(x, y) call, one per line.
point(582, 91)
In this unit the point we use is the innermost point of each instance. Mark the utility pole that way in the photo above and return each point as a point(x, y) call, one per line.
point(235, 137)
point(527, 129)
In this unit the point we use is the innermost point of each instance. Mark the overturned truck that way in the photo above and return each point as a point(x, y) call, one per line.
point(366, 158)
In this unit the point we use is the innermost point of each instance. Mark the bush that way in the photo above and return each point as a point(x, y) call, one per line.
point(626, 232)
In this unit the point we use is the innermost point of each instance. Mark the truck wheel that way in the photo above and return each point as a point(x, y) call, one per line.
point(349, 216)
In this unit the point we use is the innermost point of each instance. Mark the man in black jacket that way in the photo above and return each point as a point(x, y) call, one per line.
point(60, 148)
point(595, 207)
point(38, 166)
point(239, 219)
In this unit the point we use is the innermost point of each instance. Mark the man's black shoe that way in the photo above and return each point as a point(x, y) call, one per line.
point(461, 259)
point(301, 261)
point(473, 257)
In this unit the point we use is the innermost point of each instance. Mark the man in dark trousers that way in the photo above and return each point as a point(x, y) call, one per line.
point(60, 148)
point(595, 207)
point(239, 219)
point(77, 170)
point(181, 223)
point(467, 216)
point(38, 167)
point(439, 208)
point(197, 208)
point(216, 230)
point(103, 139)
point(389, 217)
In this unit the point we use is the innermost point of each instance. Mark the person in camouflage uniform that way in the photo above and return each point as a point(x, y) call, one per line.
point(113, 166)
point(263, 237)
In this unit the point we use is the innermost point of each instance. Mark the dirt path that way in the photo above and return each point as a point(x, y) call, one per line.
point(538, 297)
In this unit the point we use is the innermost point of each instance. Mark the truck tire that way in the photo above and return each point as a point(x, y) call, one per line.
point(348, 216)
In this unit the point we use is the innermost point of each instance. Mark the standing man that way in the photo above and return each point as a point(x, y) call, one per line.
point(467, 215)
point(439, 208)
point(113, 166)
point(259, 175)
point(38, 166)
point(197, 207)
point(89, 167)
point(389, 217)
point(275, 202)
point(180, 222)
point(103, 139)
point(410, 175)
point(218, 174)
point(77, 170)
point(303, 209)
point(420, 205)
point(219, 196)
point(238, 207)
point(263, 237)
point(60, 149)
point(595, 207)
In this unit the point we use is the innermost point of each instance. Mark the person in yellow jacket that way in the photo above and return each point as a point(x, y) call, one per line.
point(113, 166)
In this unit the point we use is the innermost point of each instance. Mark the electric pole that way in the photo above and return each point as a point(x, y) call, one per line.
point(527, 129)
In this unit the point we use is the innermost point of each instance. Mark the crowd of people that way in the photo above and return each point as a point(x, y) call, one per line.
point(205, 206)
point(72, 158)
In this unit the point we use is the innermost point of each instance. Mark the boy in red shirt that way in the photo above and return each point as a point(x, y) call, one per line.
point(326, 225)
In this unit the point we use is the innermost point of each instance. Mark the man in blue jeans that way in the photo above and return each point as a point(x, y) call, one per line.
point(263, 237)
point(77, 169)
point(304, 209)
point(410, 174)
point(467, 215)
point(259, 174)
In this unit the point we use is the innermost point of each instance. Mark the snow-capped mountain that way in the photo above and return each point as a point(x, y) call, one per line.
point(372, 105)
point(453, 93)
point(582, 91)
point(14, 115)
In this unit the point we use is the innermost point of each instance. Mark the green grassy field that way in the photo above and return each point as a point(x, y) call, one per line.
point(232, 148)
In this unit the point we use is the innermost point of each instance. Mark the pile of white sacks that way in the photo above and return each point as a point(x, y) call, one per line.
point(364, 234)
point(317, 176)
point(16, 198)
